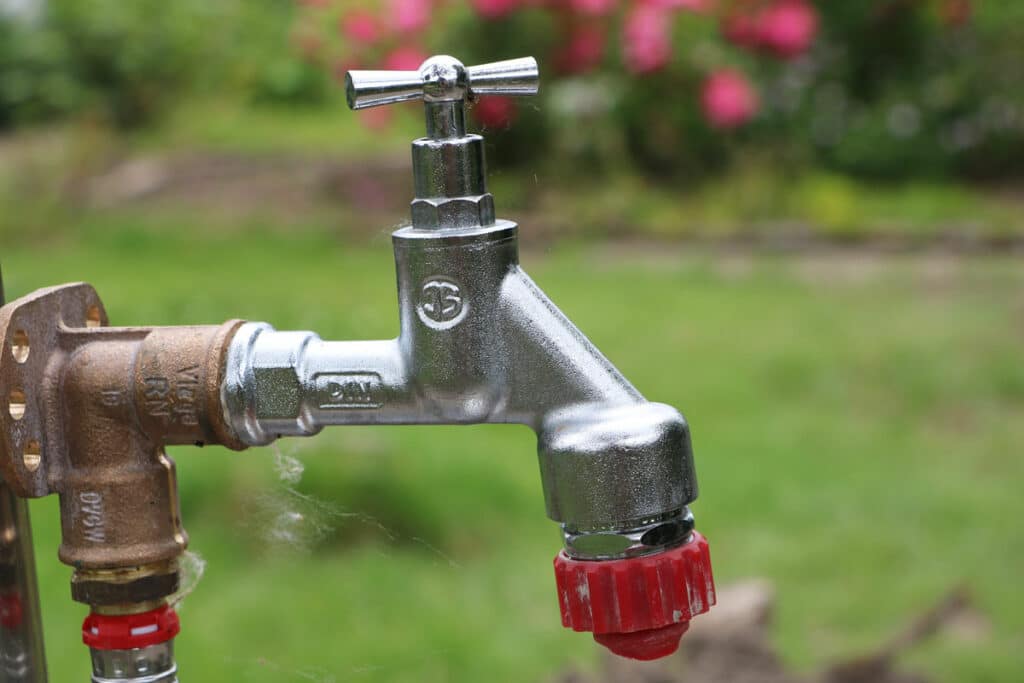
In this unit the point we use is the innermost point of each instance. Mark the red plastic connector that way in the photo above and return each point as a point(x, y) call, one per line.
point(130, 631)
point(641, 606)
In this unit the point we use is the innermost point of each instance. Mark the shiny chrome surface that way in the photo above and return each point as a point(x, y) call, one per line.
point(479, 342)
point(630, 539)
point(448, 164)
point(442, 78)
point(519, 77)
point(22, 658)
point(153, 664)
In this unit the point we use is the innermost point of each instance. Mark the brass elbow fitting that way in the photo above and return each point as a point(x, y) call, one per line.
point(89, 411)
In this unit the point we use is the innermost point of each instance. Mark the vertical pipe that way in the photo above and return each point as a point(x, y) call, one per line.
point(22, 659)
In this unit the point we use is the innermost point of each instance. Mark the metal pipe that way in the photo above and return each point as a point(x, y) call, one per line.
point(152, 664)
point(22, 656)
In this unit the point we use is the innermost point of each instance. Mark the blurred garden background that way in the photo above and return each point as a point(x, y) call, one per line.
point(800, 222)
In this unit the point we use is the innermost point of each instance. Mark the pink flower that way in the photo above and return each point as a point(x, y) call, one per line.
point(406, 58)
point(495, 112)
point(787, 27)
point(360, 27)
point(647, 41)
point(583, 51)
point(409, 16)
point(696, 6)
point(593, 8)
point(728, 99)
point(494, 9)
point(741, 30)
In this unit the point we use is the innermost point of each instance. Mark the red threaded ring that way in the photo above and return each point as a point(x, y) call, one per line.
point(130, 631)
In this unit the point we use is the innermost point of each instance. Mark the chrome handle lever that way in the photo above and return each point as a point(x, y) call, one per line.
point(442, 79)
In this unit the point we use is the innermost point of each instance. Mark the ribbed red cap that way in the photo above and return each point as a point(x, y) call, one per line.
point(641, 606)
point(130, 631)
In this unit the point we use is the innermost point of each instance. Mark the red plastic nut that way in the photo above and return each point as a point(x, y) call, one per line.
point(130, 631)
point(641, 606)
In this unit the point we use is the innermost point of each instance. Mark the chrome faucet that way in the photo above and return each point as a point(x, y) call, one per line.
point(479, 342)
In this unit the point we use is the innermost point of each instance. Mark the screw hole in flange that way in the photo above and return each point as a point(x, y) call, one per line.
point(16, 404)
point(32, 457)
point(19, 346)
point(92, 316)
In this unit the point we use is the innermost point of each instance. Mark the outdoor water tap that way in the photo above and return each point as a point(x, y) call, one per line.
point(480, 342)
point(90, 408)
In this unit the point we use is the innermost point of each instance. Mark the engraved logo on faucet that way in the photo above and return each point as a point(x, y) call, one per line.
point(91, 516)
point(349, 390)
point(441, 305)
point(173, 399)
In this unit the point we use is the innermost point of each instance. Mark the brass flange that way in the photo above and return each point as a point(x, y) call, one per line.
point(87, 412)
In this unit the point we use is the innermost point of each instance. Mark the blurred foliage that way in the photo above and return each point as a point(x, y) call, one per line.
point(900, 93)
point(889, 89)
point(127, 63)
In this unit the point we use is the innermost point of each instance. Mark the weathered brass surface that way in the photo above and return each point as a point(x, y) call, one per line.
point(87, 412)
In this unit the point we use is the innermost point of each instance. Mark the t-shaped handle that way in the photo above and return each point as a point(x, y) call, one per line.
point(445, 85)
point(448, 166)
point(442, 79)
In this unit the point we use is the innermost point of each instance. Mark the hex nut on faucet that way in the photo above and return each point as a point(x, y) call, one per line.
point(457, 212)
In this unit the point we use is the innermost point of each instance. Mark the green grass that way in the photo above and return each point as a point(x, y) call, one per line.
point(857, 426)
point(226, 126)
point(759, 201)
point(758, 198)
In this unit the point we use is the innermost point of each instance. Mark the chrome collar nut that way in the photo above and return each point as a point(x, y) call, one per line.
point(620, 540)
point(453, 213)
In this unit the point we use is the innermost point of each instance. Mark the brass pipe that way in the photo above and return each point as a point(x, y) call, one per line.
point(90, 410)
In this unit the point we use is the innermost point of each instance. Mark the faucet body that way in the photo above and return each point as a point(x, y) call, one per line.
point(90, 408)
point(479, 342)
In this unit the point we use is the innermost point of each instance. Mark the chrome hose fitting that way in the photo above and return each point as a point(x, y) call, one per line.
point(153, 664)
point(133, 646)
point(620, 540)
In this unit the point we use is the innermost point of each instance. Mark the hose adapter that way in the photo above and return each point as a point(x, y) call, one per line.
point(638, 607)
point(133, 647)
